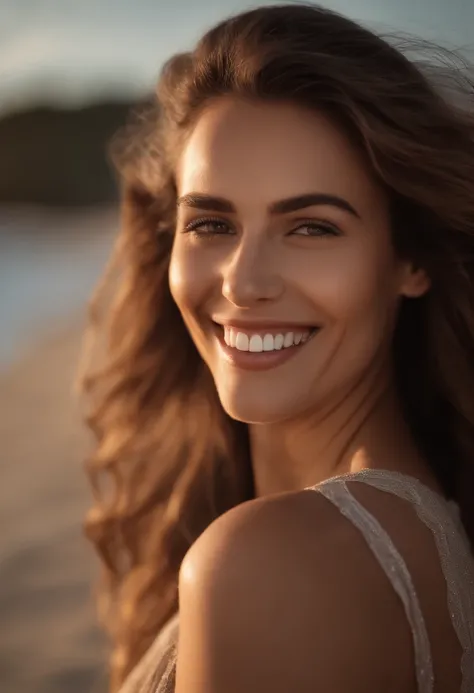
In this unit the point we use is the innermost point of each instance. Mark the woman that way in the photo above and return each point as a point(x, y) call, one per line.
point(286, 402)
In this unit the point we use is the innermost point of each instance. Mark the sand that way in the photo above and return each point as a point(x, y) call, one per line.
point(49, 641)
point(49, 638)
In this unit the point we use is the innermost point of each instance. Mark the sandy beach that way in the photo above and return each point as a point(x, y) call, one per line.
point(49, 640)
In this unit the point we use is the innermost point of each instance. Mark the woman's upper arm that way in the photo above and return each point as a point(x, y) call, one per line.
point(267, 606)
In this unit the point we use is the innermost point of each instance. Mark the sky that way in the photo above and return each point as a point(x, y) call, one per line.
point(81, 50)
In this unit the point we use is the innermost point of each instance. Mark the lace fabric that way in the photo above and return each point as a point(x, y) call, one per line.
point(156, 672)
point(397, 572)
point(443, 519)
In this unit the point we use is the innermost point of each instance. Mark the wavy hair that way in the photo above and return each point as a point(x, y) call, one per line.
point(167, 459)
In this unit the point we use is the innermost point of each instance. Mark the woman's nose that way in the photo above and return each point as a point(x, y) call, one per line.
point(251, 276)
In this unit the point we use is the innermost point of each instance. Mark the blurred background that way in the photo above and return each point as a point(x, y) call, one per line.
point(69, 72)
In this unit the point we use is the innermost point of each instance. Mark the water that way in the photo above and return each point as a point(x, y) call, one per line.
point(49, 264)
point(49, 638)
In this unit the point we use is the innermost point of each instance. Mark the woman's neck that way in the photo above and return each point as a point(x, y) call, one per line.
point(362, 430)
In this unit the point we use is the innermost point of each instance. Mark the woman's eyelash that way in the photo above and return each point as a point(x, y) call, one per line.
point(196, 226)
point(323, 229)
point(221, 227)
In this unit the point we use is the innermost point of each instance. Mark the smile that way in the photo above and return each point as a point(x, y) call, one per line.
point(256, 342)
point(252, 348)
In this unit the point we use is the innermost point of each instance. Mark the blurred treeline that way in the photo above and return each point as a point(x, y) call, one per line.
point(57, 157)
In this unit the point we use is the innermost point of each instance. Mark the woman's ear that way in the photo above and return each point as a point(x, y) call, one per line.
point(415, 282)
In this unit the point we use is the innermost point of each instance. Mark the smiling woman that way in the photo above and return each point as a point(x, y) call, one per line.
point(294, 314)
point(285, 257)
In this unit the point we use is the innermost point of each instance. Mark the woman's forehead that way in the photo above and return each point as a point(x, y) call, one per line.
point(272, 151)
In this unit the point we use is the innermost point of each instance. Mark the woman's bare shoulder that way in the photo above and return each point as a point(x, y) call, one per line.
point(283, 594)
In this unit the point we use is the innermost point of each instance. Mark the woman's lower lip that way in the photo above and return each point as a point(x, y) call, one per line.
point(258, 360)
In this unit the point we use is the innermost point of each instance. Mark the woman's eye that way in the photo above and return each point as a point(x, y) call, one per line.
point(315, 229)
point(218, 227)
point(208, 227)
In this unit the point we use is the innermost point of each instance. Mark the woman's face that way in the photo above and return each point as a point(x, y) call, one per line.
point(282, 265)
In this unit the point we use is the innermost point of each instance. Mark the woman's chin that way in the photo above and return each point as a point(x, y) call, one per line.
point(256, 408)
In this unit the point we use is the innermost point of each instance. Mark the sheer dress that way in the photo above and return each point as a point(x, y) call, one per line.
point(453, 560)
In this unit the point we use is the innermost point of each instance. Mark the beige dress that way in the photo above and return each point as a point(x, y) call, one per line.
point(156, 672)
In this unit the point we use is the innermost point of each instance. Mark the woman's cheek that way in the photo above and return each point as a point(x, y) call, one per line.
point(345, 283)
point(190, 279)
point(180, 277)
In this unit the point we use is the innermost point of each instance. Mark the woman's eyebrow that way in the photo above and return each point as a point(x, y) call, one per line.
point(207, 202)
point(285, 206)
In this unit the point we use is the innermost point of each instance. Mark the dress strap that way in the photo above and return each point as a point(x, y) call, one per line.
point(443, 518)
point(396, 570)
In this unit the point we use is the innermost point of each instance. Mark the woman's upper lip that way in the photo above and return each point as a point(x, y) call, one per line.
point(262, 324)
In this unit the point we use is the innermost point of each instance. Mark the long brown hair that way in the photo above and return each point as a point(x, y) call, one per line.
point(175, 460)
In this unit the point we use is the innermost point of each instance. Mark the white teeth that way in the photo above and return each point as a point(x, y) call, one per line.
point(242, 342)
point(278, 341)
point(257, 342)
point(268, 342)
